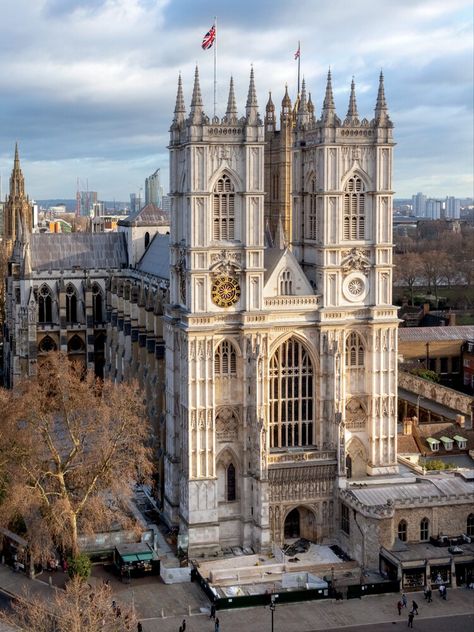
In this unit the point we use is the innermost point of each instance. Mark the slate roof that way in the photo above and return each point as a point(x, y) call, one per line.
point(149, 215)
point(406, 444)
point(156, 258)
point(427, 334)
point(65, 251)
point(436, 487)
point(271, 258)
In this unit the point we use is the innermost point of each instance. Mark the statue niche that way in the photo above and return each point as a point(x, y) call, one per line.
point(356, 415)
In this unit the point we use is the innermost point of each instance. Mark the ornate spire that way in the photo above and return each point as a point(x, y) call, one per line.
point(270, 114)
point(18, 216)
point(303, 112)
point(310, 107)
point(329, 109)
point(285, 107)
point(352, 109)
point(195, 115)
point(16, 162)
point(251, 107)
point(179, 109)
point(17, 181)
point(231, 113)
point(280, 237)
point(381, 110)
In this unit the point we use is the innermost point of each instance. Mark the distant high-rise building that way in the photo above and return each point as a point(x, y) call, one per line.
point(433, 209)
point(87, 201)
point(153, 189)
point(135, 202)
point(166, 203)
point(419, 204)
point(452, 207)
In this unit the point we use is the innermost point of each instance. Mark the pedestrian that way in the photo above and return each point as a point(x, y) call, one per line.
point(183, 625)
point(411, 616)
point(414, 607)
point(429, 595)
point(213, 612)
point(399, 606)
point(445, 593)
point(139, 627)
point(217, 626)
point(404, 600)
point(114, 605)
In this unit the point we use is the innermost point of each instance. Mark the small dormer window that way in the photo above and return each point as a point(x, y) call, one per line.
point(461, 442)
point(447, 443)
point(433, 443)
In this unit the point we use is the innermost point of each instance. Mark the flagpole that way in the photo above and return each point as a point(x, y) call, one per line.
point(215, 65)
point(299, 60)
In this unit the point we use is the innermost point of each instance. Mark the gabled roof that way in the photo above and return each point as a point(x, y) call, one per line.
point(149, 215)
point(156, 258)
point(65, 251)
point(276, 260)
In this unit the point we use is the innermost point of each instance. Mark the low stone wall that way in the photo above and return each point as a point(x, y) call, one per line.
point(175, 575)
point(437, 393)
point(108, 541)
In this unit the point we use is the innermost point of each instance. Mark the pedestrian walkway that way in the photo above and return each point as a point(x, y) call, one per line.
point(153, 599)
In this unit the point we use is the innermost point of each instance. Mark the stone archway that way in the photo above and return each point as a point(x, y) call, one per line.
point(300, 522)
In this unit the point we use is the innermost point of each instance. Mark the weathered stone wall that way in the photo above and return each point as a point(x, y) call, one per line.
point(437, 393)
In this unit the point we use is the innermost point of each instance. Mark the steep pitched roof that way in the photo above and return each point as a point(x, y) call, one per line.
point(149, 215)
point(156, 258)
point(64, 251)
point(276, 260)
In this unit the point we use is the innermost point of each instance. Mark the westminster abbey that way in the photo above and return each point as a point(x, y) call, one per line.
point(260, 324)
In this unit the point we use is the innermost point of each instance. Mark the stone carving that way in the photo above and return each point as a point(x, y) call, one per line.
point(355, 415)
point(355, 259)
point(226, 424)
point(225, 262)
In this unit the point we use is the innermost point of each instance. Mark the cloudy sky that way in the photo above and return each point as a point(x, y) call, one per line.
point(87, 87)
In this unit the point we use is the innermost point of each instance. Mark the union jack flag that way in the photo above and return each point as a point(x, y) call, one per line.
point(209, 38)
point(297, 54)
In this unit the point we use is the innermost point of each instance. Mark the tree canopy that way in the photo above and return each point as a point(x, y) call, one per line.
point(71, 449)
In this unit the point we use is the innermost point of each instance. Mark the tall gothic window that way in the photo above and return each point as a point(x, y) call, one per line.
point(312, 226)
point(291, 396)
point(354, 209)
point(223, 209)
point(97, 305)
point(231, 490)
point(45, 305)
point(225, 359)
point(470, 525)
point(71, 304)
point(402, 531)
point(354, 350)
point(286, 283)
point(424, 530)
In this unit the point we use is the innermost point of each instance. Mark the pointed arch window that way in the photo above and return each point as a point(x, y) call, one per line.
point(71, 304)
point(223, 201)
point(312, 225)
point(402, 531)
point(291, 396)
point(354, 209)
point(286, 283)
point(231, 489)
point(424, 530)
point(354, 350)
point(470, 525)
point(97, 304)
point(45, 305)
point(46, 345)
point(225, 360)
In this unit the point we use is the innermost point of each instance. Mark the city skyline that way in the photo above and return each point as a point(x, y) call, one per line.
point(88, 87)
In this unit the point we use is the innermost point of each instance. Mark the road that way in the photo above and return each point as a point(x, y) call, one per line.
point(457, 623)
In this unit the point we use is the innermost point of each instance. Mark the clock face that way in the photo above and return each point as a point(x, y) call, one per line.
point(225, 291)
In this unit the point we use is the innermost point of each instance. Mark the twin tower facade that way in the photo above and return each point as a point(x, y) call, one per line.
point(281, 337)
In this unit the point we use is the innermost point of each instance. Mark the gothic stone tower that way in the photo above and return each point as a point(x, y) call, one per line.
point(214, 489)
point(17, 206)
point(342, 237)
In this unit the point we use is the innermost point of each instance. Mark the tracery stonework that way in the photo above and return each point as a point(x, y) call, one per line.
point(226, 425)
point(355, 415)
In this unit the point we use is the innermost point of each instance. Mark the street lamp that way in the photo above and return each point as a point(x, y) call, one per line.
point(272, 607)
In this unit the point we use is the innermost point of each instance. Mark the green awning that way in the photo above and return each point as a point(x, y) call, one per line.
point(446, 439)
point(432, 441)
point(459, 438)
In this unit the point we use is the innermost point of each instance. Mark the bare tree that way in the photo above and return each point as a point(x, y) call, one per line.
point(434, 264)
point(408, 270)
point(79, 608)
point(71, 448)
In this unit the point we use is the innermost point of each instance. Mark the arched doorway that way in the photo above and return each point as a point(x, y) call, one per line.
point(357, 459)
point(300, 523)
point(292, 524)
